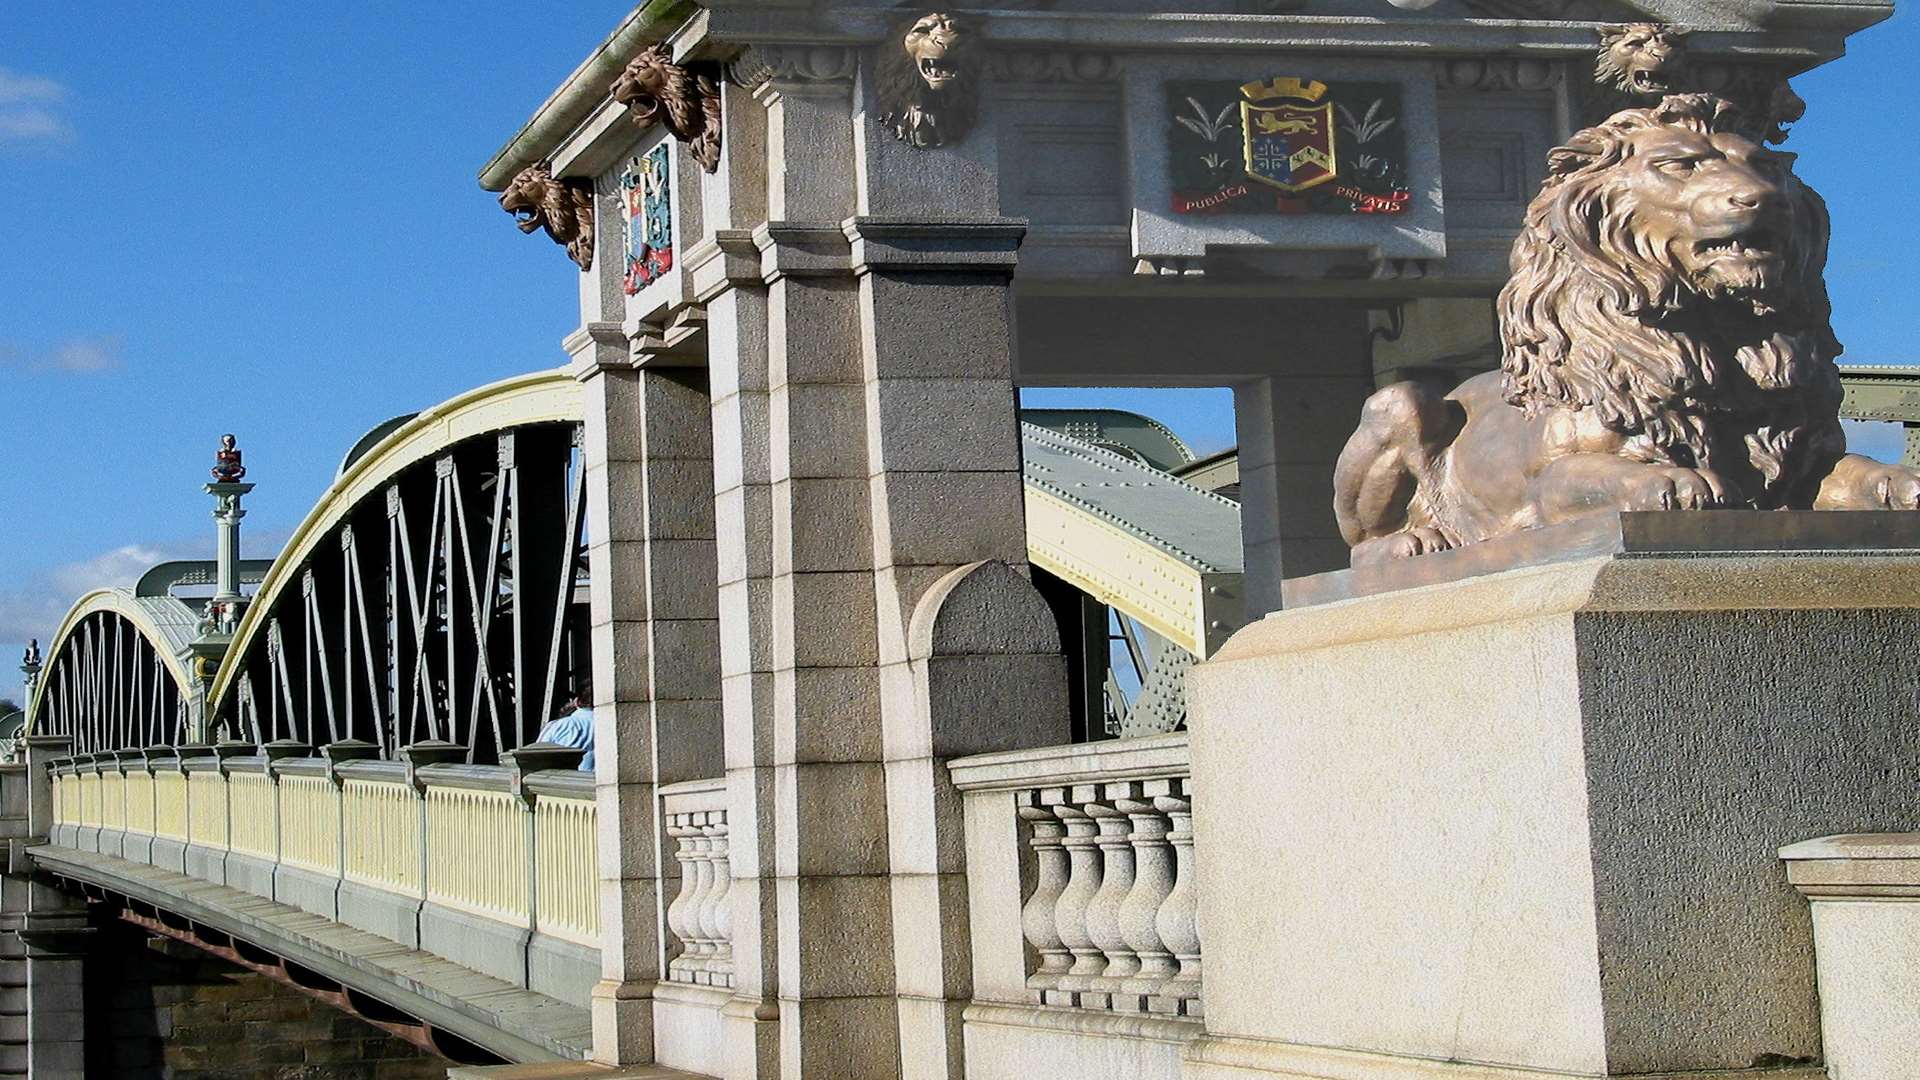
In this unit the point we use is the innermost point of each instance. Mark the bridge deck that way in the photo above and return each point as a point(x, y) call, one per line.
point(516, 1023)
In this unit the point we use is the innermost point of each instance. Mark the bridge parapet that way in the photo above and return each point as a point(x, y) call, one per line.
point(492, 867)
point(1081, 898)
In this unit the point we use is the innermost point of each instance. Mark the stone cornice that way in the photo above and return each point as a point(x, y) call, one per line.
point(584, 90)
point(801, 249)
point(903, 244)
point(721, 261)
point(1812, 30)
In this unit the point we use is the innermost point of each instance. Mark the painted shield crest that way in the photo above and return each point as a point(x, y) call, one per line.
point(1288, 145)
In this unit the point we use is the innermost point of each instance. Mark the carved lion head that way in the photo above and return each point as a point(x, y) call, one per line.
point(1642, 60)
point(564, 208)
point(928, 88)
point(1667, 258)
point(656, 90)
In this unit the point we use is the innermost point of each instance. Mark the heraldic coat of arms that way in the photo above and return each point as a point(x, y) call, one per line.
point(1303, 147)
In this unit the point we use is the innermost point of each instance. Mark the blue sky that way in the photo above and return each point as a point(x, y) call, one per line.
point(264, 219)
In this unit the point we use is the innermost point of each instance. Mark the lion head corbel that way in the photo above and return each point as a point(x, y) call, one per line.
point(656, 90)
point(927, 85)
point(1642, 62)
point(563, 207)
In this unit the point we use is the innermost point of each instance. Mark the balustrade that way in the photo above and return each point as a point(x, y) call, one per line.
point(495, 867)
point(566, 862)
point(1103, 832)
point(700, 917)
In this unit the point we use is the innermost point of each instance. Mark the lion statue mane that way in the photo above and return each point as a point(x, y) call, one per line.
point(928, 86)
point(1665, 345)
point(563, 207)
point(656, 90)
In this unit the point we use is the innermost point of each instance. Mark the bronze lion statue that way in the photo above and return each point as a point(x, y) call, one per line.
point(928, 88)
point(656, 90)
point(539, 200)
point(1665, 345)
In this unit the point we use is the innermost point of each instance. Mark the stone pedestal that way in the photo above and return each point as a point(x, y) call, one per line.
point(1527, 820)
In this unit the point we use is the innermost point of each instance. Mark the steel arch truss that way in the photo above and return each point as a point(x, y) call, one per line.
point(442, 607)
point(114, 678)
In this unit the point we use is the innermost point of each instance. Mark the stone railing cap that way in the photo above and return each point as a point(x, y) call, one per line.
point(1855, 846)
point(479, 777)
point(349, 750)
point(539, 757)
point(1149, 757)
point(371, 769)
point(561, 783)
point(285, 748)
point(433, 752)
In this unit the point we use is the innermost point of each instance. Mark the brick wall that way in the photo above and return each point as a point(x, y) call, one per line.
point(162, 1009)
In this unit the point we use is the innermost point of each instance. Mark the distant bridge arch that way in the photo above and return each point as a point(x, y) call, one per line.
point(115, 674)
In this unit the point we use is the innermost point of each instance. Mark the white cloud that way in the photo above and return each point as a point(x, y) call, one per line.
point(16, 88)
point(35, 610)
point(30, 111)
point(83, 355)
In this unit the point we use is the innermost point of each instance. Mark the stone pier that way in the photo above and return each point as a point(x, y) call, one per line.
point(1525, 821)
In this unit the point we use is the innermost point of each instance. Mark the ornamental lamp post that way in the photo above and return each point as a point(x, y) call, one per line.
point(223, 611)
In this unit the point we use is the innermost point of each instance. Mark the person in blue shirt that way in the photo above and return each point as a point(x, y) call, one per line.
point(574, 726)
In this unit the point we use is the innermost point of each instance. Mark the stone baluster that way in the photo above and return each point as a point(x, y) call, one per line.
point(1153, 883)
point(677, 911)
point(1070, 912)
point(1036, 918)
point(1116, 881)
point(700, 949)
point(1178, 922)
point(714, 912)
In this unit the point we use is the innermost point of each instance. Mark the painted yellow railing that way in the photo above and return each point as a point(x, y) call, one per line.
point(251, 797)
point(170, 805)
point(566, 869)
point(113, 800)
point(89, 800)
point(384, 821)
point(479, 845)
point(309, 824)
point(140, 801)
point(63, 789)
point(207, 809)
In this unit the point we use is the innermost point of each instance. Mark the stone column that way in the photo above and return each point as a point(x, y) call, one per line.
point(835, 948)
point(1529, 820)
point(725, 272)
point(1291, 428)
point(743, 519)
point(41, 749)
point(57, 935)
point(943, 477)
point(654, 638)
